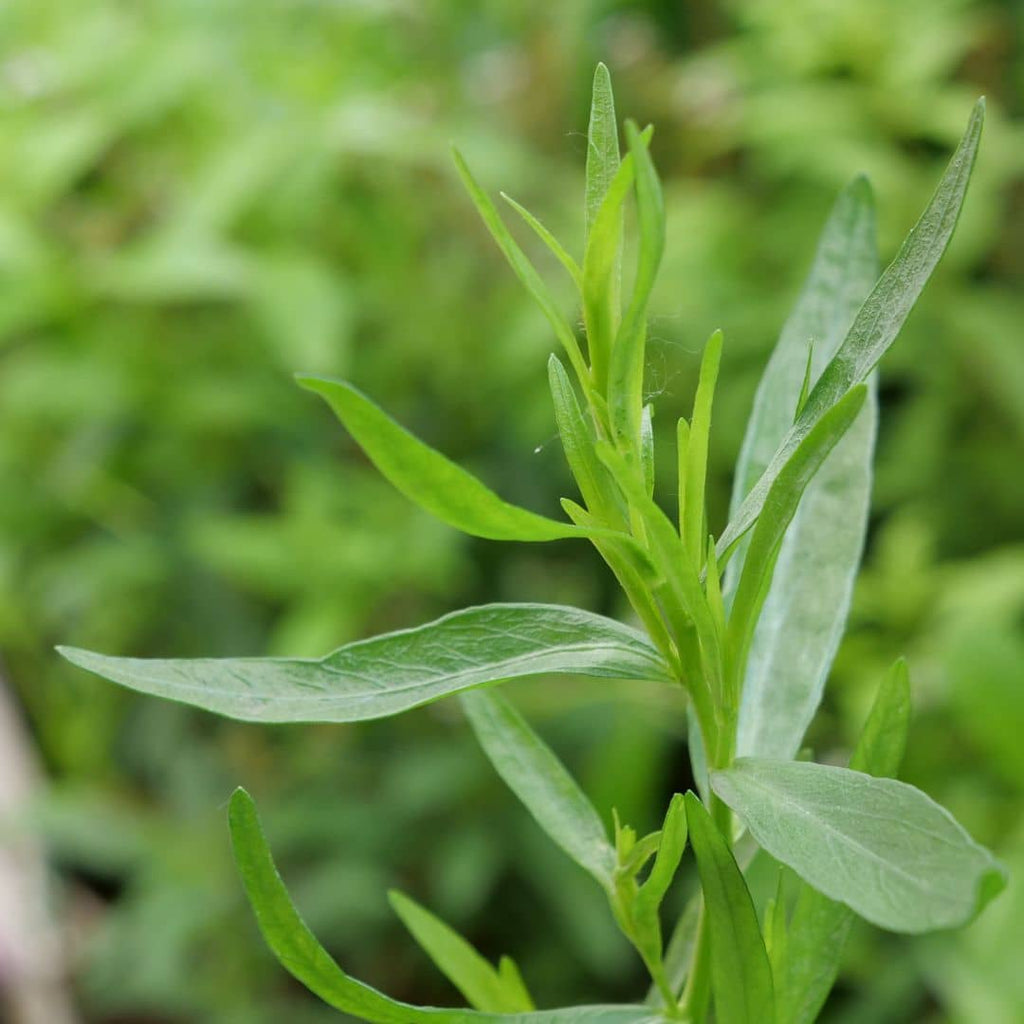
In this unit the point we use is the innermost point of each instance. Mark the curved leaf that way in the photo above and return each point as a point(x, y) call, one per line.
point(397, 671)
point(885, 849)
point(304, 958)
point(535, 774)
point(803, 617)
point(429, 479)
point(877, 322)
point(741, 976)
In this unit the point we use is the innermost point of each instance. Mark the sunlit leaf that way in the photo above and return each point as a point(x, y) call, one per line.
point(395, 671)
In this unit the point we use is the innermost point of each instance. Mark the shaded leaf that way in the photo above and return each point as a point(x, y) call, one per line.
point(304, 958)
point(483, 987)
point(741, 976)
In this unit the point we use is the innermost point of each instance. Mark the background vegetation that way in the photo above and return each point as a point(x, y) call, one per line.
point(199, 198)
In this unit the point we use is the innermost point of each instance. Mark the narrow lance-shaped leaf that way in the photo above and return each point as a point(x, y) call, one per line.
point(594, 481)
point(540, 780)
point(741, 977)
point(878, 321)
point(522, 267)
point(426, 477)
point(553, 244)
point(625, 376)
point(819, 928)
point(885, 849)
point(602, 267)
point(656, 885)
point(304, 958)
point(602, 143)
point(779, 508)
point(482, 985)
point(396, 671)
point(695, 466)
point(804, 614)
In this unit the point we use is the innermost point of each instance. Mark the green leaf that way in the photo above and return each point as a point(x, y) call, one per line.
point(305, 959)
point(804, 614)
point(741, 976)
point(779, 508)
point(556, 247)
point(885, 849)
point(877, 322)
point(594, 481)
point(650, 895)
point(426, 477)
point(540, 780)
point(696, 465)
point(602, 143)
point(602, 268)
point(626, 372)
point(396, 671)
point(522, 267)
point(819, 927)
point(482, 986)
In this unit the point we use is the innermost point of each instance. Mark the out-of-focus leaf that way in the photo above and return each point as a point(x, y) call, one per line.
point(394, 672)
point(885, 849)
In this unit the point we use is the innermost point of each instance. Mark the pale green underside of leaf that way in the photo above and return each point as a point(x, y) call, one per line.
point(883, 848)
point(741, 976)
point(804, 615)
point(397, 671)
point(540, 780)
point(428, 478)
point(301, 954)
point(819, 927)
point(878, 321)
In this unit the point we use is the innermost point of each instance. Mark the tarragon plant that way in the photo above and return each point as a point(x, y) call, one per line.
point(746, 623)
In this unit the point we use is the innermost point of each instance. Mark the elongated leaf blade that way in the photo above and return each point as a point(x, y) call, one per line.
point(304, 958)
point(741, 977)
point(804, 615)
point(819, 927)
point(602, 143)
point(429, 479)
point(396, 671)
point(535, 774)
point(885, 849)
point(521, 266)
point(878, 321)
point(779, 508)
point(478, 981)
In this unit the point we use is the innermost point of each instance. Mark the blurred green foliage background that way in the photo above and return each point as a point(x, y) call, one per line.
point(199, 197)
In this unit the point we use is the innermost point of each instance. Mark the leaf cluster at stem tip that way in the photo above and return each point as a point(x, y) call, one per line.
point(744, 625)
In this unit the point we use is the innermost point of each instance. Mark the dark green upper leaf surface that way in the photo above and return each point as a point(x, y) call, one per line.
point(741, 976)
point(885, 849)
point(301, 954)
point(397, 671)
point(426, 477)
point(878, 321)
